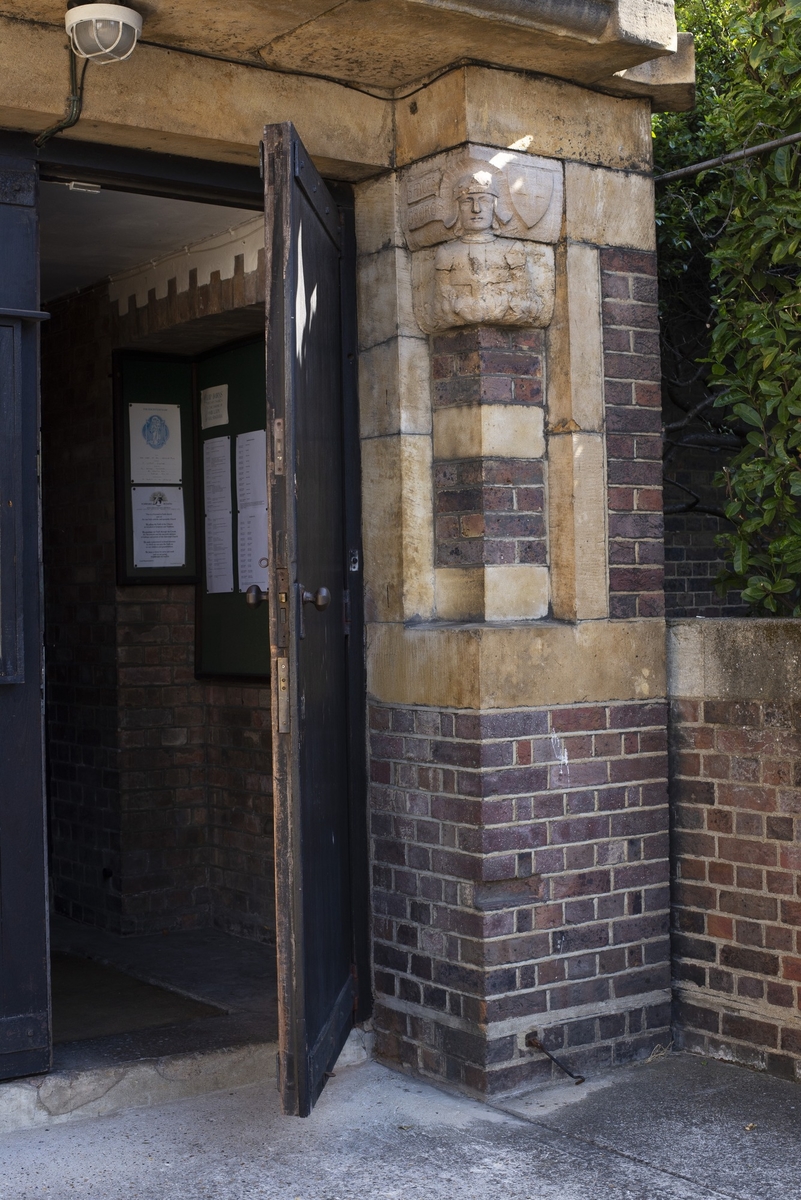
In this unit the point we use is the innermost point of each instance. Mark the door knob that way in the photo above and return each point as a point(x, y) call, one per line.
point(254, 595)
point(320, 599)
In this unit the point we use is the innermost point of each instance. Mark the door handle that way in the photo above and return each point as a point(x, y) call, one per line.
point(320, 599)
point(254, 595)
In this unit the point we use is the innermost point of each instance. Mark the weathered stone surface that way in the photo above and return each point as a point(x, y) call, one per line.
point(517, 592)
point(494, 667)
point(609, 208)
point(733, 659)
point(395, 387)
point(384, 297)
point(489, 431)
point(535, 116)
point(577, 526)
point(669, 82)
point(158, 100)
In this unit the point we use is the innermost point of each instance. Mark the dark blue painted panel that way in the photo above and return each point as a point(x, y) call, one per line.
point(24, 974)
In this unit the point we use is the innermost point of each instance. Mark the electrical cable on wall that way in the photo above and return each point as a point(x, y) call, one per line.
point(74, 102)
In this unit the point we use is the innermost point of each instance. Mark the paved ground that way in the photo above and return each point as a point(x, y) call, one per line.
point(671, 1130)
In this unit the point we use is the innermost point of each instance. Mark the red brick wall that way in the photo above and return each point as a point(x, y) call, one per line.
point(736, 804)
point(160, 784)
point(633, 400)
point(520, 882)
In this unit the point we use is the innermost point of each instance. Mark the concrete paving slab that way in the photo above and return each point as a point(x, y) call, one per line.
point(376, 1134)
point(709, 1121)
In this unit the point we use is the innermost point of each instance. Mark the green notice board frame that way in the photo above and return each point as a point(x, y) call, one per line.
point(153, 379)
point(232, 639)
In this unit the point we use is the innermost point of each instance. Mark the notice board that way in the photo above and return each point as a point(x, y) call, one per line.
point(232, 638)
point(154, 417)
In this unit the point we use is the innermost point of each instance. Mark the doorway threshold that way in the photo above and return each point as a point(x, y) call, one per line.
point(146, 1019)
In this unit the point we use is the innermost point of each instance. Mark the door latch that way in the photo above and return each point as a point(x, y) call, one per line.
point(282, 608)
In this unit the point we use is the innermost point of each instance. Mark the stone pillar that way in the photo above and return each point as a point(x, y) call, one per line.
point(514, 596)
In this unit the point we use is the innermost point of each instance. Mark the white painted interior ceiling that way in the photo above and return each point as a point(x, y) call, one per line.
point(86, 237)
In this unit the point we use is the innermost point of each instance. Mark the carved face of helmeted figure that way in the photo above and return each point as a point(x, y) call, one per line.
point(476, 196)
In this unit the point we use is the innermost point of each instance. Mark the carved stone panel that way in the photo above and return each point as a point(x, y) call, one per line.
point(479, 221)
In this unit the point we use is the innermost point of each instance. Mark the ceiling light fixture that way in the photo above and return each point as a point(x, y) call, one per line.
point(101, 32)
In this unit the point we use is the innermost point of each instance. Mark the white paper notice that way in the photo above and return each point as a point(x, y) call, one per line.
point(214, 406)
point(155, 431)
point(217, 475)
point(251, 469)
point(159, 530)
point(219, 553)
point(252, 539)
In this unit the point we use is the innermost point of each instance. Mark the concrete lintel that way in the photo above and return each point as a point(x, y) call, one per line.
point(184, 104)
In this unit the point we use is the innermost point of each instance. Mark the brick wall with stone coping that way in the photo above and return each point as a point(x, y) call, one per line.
point(520, 882)
point(736, 795)
point(735, 731)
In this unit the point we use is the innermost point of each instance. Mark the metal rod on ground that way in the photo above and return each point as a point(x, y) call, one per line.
point(534, 1043)
point(724, 159)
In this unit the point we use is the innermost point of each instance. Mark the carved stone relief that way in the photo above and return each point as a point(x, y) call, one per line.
point(479, 222)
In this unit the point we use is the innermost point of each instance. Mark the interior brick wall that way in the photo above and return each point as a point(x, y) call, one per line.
point(159, 784)
point(82, 758)
point(736, 806)
point(633, 398)
point(520, 882)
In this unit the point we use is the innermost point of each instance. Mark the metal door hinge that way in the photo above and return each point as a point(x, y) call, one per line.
point(278, 445)
point(282, 684)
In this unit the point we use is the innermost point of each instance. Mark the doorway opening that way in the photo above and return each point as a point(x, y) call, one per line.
point(161, 858)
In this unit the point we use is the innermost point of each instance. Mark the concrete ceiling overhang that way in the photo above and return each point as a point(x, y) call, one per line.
point(389, 45)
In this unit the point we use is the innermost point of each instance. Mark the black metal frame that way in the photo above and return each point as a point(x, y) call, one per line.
point(237, 185)
point(357, 682)
point(122, 481)
point(12, 666)
point(144, 171)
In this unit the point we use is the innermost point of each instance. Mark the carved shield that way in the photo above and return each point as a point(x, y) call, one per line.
point(531, 191)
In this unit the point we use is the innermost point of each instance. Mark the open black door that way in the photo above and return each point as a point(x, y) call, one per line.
point(308, 574)
point(24, 973)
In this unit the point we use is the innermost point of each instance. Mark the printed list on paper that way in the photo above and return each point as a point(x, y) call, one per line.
point(251, 496)
point(219, 537)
